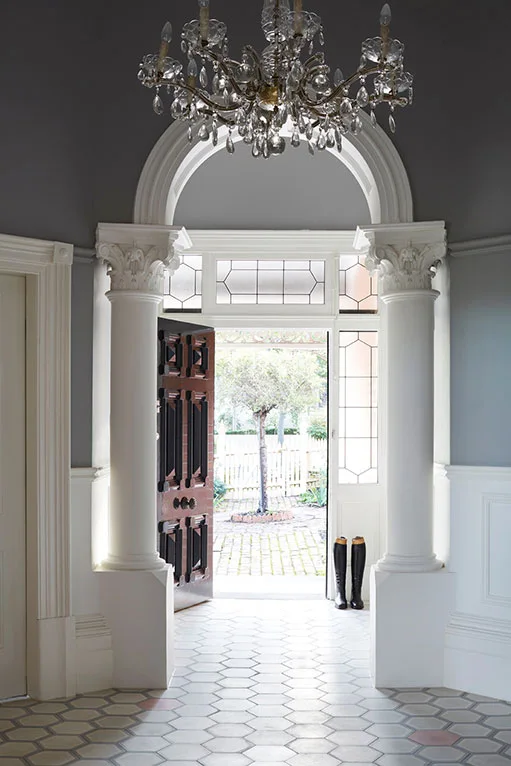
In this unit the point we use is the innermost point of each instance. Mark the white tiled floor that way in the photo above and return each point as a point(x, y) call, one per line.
point(262, 683)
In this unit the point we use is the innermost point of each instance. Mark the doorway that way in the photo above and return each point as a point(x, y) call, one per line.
point(12, 488)
point(271, 463)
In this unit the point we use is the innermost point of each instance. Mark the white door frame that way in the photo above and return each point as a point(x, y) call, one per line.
point(47, 269)
point(296, 245)
point(336, 491)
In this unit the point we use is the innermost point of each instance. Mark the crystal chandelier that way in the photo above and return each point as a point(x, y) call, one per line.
point(287, 85)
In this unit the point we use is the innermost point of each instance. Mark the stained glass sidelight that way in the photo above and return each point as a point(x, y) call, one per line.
point(357, 289)
point(277, 282)
point(183, 291)
point(358, 407)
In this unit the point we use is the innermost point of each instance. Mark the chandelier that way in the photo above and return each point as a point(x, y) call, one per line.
point(286, 90)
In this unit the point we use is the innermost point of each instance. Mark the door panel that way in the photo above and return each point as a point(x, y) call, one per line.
point(12, 487)
point(185, 457)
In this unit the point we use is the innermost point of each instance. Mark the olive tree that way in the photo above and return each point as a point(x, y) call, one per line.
point(262, 380)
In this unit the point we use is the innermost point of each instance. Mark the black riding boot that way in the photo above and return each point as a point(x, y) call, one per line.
point(340, 562)
point(358, 562)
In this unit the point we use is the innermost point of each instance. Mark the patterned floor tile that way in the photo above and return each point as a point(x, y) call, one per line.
point(262, 684)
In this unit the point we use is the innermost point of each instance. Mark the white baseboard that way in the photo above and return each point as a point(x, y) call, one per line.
point(93, 669)
point(478, 655)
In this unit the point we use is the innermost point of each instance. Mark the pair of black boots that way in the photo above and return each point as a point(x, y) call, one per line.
point(358, 562)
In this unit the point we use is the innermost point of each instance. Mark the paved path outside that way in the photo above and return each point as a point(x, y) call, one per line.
point(296, 547)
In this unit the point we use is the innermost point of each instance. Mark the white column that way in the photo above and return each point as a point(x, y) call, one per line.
point(136, 257)
point(405, 271)
point(409, 437)
point(411, 595)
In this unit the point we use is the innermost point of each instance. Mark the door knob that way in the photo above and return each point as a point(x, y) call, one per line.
point(185, 503)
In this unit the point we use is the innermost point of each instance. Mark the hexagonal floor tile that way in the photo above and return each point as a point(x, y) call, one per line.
point(183, 752)
point(266, 753)
point(442, 754)
point(51, 758)
point(479, 745)
point(434, 737)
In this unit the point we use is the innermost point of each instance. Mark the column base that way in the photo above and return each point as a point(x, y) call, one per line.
point(409, 615)
point(135, 562)
point(139, 608)
point(406, 564)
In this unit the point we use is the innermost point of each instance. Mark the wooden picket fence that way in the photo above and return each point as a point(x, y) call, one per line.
point(292, 467)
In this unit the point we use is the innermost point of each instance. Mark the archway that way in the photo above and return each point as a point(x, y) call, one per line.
point(371, 158)
point(368, 168)
point(403, 255)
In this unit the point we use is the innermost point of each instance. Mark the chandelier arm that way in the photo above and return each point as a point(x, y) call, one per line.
point(215, 107)
point(256, 58)
point(225, 70)
point(347, 83)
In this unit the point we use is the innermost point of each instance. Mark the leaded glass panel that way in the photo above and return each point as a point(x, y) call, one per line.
point(358, 407)
point(358, 291)
point(183, 291)
point(275, 282)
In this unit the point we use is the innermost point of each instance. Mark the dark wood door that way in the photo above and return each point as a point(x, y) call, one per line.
point(185, 457)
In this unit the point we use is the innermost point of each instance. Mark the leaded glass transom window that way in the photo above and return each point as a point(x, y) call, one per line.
point(358, 407)
point(183, 291)
point(357, 289)
point(280, 282)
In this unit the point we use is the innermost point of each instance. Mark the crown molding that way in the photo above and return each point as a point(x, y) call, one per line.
point(485, 246)
point(86, 255)
point(272, 243)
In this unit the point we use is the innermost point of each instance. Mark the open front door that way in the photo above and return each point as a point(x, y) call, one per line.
point(185, 457)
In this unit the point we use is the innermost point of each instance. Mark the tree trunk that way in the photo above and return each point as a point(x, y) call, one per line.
point(260, 418)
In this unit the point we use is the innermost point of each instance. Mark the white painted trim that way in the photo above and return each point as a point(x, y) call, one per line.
point(85, 255)
point(47, 268)
point(91, 626)
point(477, 655)
point(490, 500)
point(371, 157)
point(481, 628)
point(440, 471)
point(83, 473)
point(326, 246)
point(485, 246)
point(269, 243)
point(479, 472)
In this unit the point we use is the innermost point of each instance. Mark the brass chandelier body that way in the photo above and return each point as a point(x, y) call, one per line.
point(285, 89)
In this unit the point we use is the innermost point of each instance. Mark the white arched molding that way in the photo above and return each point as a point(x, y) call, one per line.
point(371, 157)
point(46, 267)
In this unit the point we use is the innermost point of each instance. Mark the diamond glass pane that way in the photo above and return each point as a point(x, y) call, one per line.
point(274, 282)
point(183, 290)
point(358, 291)
point(358, 407)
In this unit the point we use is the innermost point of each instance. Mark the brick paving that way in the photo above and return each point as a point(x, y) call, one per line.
point(294, 547)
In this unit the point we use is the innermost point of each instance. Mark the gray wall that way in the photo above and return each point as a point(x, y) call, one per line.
point(77, 127)
point(82, 301)
point(481, 360)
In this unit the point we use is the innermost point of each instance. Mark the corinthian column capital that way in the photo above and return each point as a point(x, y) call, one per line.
point(138, 256)
point(404, 256)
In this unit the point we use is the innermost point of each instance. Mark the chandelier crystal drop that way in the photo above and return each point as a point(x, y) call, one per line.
point(286, 85)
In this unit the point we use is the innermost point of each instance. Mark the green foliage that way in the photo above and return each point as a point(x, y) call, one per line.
point(269, 432)
point(262, 380)
point(219, 491)
point(318, 493)
point(287, 431)
point(318, 428)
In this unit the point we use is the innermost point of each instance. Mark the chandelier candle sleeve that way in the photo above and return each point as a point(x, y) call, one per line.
point(166, 39)
point(204, 20)
point(298, 7)
point(287, 88)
